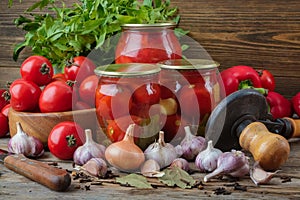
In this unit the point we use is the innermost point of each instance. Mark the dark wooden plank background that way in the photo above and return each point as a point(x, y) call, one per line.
point(259, 33)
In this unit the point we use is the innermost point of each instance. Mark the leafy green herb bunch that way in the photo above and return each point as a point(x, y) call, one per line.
point(60, 32)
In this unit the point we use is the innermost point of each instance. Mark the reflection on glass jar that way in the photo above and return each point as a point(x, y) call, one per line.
point(196, 87)
point(126, 94)
point(147, 43)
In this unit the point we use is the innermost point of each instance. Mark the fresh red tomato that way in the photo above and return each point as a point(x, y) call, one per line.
point(59, 77)
point(195, 101)
point(24, 95)
point(64, 139)
point(147, 94)
point(267, 79)
point(57, 96)
point(111, 101)
point(87, 89)
point(5, 110)
point(116, 129)
point(3, 98)
point(3, 125)
point(37, 69)
point(79, 68)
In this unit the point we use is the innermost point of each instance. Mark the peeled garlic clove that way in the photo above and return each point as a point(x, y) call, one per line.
point(22, 143)
point(181, 163)
point(191, 144)
point(259, 176)
point(95, 167)
point(206, 161)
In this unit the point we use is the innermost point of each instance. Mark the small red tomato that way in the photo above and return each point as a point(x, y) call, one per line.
point(113, 101)
point(59, 77)
point(37, 69)
point(4, 100)
point(267, 79)
point(3, 125)
point(24, 95)
point(147, 94)
point(64, 139)
point(116, 129)
point(195, 101)
point(5, 110)
point(79, 68)
point(296, 103)
point(57, 97)
point(87, 89)
point(80, 105)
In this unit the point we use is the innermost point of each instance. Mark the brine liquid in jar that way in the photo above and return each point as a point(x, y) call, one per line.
point(147, 43)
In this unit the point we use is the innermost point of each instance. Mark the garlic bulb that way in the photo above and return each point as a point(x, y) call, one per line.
point(163, 153)
point(206, 161)
point(233, 163)
point(95, 167)
point(181, 163)
point(90, 149)
point(191, 144)
point(22, 143)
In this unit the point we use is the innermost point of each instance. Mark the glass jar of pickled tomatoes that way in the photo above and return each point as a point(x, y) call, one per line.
point(147, 43)
point(194, 87)
point(127, 94)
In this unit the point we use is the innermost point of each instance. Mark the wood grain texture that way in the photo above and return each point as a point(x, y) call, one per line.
point(259, 33)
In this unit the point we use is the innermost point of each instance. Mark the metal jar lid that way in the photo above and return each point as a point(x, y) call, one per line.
point(149, 26)
point(189, 64)
point(127, 69)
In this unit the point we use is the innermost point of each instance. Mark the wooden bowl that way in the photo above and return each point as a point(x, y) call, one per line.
point(40, 125)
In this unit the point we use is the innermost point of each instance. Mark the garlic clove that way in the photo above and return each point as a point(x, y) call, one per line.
point(151, 168)
point(95, 167)
point(259, 176)
point(180, 163)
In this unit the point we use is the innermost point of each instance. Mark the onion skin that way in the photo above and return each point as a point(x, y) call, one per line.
point(125, 155)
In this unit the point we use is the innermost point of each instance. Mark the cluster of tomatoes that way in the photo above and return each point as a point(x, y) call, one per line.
point(40, 90)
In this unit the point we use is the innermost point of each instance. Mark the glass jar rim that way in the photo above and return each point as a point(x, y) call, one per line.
point(127, 69)
point(188, 64)
point(147, 26)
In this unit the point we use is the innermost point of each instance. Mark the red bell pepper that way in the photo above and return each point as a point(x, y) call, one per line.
point(279, 106)
point(267, 79)
point(236, 76)
point(296, 103)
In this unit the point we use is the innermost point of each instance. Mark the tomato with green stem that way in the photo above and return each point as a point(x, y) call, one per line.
point(65, 138)
point(37, 69)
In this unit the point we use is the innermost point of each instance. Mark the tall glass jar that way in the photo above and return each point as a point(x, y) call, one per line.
point(127, 94)
point(147, 43)
point(196, 87)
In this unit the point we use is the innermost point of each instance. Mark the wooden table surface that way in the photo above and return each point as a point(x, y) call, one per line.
point(285, 185)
